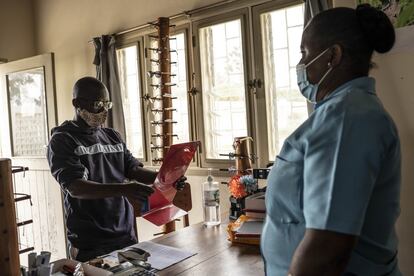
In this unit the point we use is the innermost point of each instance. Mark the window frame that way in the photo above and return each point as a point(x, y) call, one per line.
point(139, 43)
point(180, 29)
point(140, 38)
point(46, 62)
point(248, 11)
point(244, 16)
point(261, 103)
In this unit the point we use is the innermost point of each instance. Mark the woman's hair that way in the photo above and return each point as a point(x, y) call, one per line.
point(377, 27)
point(358, 31)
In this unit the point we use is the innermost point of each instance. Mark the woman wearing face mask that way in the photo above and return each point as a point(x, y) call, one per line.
point(333, 193)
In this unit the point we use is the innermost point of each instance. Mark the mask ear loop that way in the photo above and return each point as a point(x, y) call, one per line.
point(324, 76)
point(316, 58)
point(327, 72)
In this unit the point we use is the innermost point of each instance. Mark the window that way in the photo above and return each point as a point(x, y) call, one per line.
point(223, 86)
point(129, 75)
point(28, 113)
point(137, 113)
point(178, 91)
point(233, 50)
point(27, 105)
point(286, 107)
point(227, 61)
point(179, 69)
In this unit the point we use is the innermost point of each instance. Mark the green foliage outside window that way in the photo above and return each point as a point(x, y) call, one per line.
point(400, 12)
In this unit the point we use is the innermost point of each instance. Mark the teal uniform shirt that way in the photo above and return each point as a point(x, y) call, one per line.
point(339, 171)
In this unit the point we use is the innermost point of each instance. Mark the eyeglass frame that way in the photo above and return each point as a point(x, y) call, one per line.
point(98, 105)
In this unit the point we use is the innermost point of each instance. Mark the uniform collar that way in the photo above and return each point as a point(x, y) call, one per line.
point(365, 84)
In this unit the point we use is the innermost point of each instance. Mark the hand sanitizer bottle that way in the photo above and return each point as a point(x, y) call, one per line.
point(211, 201)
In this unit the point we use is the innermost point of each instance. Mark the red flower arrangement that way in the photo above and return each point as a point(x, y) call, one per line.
point(237, 188)
point(242, 185)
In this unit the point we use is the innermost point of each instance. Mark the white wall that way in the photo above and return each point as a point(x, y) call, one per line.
point(394, 77)
point(16, 29)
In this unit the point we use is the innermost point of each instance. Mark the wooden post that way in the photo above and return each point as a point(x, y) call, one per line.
point(9, 247)
point(165, 68)
point(183, 198)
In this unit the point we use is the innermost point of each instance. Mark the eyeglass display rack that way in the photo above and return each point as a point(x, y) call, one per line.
point(162, 98)
point(9, 237)
point(162, 133)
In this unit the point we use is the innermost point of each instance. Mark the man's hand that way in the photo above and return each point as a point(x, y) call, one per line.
point(137, 194)
point(180, 183)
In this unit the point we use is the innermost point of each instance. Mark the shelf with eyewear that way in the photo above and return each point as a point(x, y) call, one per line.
point(160, 56)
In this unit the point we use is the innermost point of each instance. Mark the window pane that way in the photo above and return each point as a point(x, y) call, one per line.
point(286, 107)
point(181, 128)
point(278, 25)
point(179, 90)
point(222, 74)
point(131, 98)
point(28, 112)
point(294, 16)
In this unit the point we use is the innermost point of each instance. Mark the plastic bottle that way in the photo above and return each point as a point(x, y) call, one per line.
point(211, 201)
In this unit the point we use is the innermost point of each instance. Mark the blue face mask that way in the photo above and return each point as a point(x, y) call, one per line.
point(309, 90)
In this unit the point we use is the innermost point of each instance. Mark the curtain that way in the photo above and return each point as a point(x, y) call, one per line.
point(107, 72)
point(313, 7)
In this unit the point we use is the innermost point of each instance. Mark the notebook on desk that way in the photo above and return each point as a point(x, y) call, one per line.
point(250, 229)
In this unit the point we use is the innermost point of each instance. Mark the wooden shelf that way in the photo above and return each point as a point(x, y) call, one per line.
point(23, 223)
point(19, 169)
point(28, 249)
point(22, 197)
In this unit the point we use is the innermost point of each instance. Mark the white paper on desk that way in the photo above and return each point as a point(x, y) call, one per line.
point(163, 256)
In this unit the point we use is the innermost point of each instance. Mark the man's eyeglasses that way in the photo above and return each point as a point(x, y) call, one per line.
point(97, 105)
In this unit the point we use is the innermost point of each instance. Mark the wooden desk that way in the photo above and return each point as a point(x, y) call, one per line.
point(215, 255)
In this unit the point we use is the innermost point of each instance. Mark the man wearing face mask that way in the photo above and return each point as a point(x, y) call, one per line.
point(99, 177)
point(333, 195)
